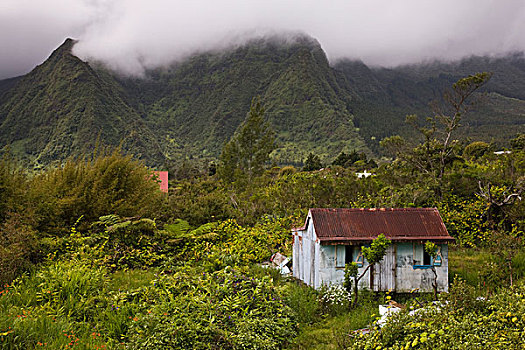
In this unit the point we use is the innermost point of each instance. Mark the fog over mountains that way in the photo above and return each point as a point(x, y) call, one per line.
point(131, 35)
point(190, 108)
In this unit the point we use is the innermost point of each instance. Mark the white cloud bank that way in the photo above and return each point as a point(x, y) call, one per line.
point(132, 34)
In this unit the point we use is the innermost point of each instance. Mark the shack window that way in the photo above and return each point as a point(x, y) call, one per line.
point(349, 254)
point(422, 259)
point(340, 255)
point(426, 258)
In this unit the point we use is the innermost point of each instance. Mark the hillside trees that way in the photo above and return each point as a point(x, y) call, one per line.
point(354, 159)
point(312, 162)
point(249, 149)
point(13, 183)
point(438, 149)
point(18, 243)
point(518, 143)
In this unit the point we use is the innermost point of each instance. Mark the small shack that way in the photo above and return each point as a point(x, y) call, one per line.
point(331, 238)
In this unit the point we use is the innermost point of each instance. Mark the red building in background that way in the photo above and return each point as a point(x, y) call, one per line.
point(162, 177)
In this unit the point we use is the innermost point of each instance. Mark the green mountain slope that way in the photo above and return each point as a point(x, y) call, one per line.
point(62, 107)
point(190, 109)
point(202, 101)
point(390, 94)
point(5, 86)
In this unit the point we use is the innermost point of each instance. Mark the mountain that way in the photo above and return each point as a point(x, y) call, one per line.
point(390, 94)
point(62, 107)
point(190, 109)
point(202, 101)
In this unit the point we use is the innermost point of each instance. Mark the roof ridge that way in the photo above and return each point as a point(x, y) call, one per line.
point(376, 209)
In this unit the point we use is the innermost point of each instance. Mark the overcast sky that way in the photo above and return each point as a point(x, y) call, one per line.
point(132, 34)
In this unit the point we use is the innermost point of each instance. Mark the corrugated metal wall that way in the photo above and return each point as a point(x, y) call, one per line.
point(315, 264)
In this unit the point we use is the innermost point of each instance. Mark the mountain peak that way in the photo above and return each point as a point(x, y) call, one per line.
point(67, 44)
point(65, 48)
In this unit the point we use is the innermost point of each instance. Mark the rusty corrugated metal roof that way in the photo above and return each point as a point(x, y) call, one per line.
point(354, 225)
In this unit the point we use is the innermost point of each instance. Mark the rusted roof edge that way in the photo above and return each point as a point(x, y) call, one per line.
point(379, 209)
point(304, 227)
point(394, 239)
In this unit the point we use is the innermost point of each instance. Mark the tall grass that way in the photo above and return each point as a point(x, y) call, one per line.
point(466, 263)
point(331, 332)
point(474, 264)
point(55, 306)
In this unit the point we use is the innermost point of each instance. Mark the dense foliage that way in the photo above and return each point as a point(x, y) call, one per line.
point(188, 309)
point(93, 255)
point(461, 321)
point(248, 151)
point(190, 109)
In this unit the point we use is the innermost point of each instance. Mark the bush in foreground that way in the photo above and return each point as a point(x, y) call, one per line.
point(461, 322)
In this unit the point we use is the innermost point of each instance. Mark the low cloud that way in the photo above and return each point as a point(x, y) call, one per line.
point(130, 35)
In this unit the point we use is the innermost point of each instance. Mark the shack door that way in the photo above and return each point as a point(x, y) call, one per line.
point(384, 273)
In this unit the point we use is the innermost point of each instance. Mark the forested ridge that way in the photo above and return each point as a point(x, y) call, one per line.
point(191, 108)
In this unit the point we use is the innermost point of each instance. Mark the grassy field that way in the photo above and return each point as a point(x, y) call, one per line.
point(470, 264)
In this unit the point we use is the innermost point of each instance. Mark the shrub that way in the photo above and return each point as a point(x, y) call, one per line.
point(463, 323)
point(304, 301)
point(476, 149)
point(226, 308)
point(108, 184)
point(61, 298)
point(334, 299)
point(241, 245)
point(67, 288)
point(19, 248)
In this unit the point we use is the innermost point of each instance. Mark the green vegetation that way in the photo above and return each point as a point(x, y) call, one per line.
point(248, 151)
point(93, 255)
point(65, 108)
point(461, 322)
point(373, 254)
point(312, 162)
point(87, 268)
point(189, 110)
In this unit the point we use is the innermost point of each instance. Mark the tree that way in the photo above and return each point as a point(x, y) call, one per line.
point(431, 249)
point(312, 162)
point(497, 198)
point(373, 254)
point(505, 247)
point(518, 143)
point(462, 90)
point(438, 149)
point(249, 148)
point(347, 160)
point(476, 150)
point(108, 184)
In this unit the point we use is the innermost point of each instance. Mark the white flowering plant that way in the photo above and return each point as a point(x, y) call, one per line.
point(334, 298)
